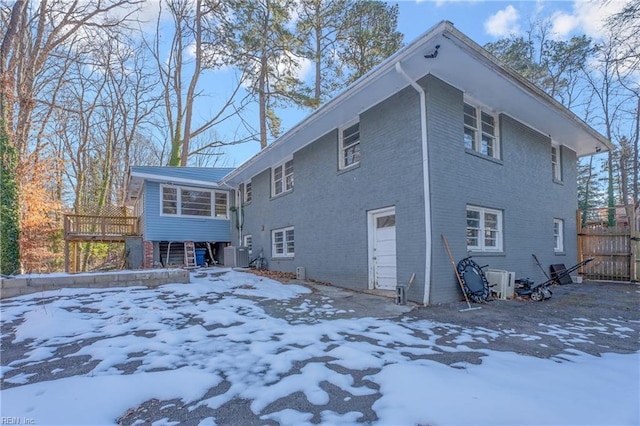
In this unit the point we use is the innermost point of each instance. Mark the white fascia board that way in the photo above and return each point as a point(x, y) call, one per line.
point(528, 87)
point(424, 44)
point(170, 180)
point(387, 66)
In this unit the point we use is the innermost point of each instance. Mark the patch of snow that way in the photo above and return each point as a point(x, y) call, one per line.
point(180, 341)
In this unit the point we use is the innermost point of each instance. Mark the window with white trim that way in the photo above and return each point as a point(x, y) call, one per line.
point(484, 229)
point(556, 163)
point(349, 145)
point(169, 200)
point(221, 205)
point(195, 202)
point(282, 178)
point(247, 241)
point(558, 235)
point(246, 194)
point(283, 242)
point(481, 131)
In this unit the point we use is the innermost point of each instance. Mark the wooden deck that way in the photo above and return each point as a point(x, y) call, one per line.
point(99, 228)
point(83, 228)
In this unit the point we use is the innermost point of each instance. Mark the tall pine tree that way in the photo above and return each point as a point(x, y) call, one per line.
point(369, 36)
point(265, 49)
point(319, 25)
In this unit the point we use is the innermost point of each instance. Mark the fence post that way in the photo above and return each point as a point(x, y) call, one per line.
point(634, 242)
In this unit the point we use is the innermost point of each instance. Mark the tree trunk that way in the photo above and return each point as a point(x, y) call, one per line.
point(10, 199)
point(636, 195)
point(262, 101)
point(192, 86)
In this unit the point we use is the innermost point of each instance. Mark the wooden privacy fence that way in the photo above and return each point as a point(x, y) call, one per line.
point(611, 238)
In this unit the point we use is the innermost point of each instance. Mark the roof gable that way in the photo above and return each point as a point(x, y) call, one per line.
point(459, 62)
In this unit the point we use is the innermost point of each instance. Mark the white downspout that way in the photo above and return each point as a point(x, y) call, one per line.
point(239, 213)
point(425, 173)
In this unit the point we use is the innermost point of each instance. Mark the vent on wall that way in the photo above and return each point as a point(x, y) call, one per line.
point(503, 282)
point(301, 273)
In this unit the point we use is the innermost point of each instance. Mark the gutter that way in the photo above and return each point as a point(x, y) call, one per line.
point(425, 173)
point(465, 43)
point(351, 90)
point(171, 179)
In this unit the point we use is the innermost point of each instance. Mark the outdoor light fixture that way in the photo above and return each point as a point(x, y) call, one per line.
point(598, 149)
point(434, 54)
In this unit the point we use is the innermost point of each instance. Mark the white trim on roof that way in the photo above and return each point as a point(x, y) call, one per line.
point(505, 89)
point(173, 179)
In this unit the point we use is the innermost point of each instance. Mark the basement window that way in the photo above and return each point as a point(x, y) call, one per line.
point(283, 242)
point(558, 238)
point(484, 229)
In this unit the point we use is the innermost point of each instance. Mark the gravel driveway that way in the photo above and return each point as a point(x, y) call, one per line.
point(590, 317)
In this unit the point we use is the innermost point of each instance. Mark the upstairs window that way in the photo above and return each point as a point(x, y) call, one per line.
point(282, 178)
point(480, 131)
point(484, 229)
point(247, 195)
point(196, 202)
point(556, 163)
point(349, 145)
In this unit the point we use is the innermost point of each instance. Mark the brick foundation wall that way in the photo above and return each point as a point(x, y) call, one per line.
point(147, 262)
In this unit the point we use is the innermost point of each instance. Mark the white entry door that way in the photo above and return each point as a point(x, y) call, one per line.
point(382, 248)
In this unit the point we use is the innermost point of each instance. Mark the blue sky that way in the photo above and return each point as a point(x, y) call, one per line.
point(482, 21)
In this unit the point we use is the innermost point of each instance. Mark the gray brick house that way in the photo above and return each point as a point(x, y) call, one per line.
point(439, 139)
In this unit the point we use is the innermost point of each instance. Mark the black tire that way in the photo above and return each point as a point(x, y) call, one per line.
point(537, 296)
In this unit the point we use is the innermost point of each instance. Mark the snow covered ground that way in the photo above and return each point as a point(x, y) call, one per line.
point(92, 356)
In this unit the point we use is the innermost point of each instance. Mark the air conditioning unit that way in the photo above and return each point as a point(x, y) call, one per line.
point(503, 282)
point(236, 257)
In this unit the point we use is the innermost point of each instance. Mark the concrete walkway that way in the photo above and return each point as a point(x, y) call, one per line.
point(327, 302)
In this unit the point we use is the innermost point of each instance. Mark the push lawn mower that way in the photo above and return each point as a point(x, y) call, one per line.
point(539, 292)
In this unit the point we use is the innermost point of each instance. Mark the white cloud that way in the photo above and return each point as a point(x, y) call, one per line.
point(562, 24)
point(440, 3)
point(588, 17)
point(503, 23)
point(287, 63)
point(305, 68)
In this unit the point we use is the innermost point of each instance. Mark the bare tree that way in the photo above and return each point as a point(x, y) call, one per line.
point(45, 38)
point(199, 41)
point(605, 100)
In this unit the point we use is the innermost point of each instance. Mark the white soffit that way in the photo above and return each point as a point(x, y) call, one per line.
point(461, 63)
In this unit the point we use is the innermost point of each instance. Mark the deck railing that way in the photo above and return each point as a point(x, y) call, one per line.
point(91, 227)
